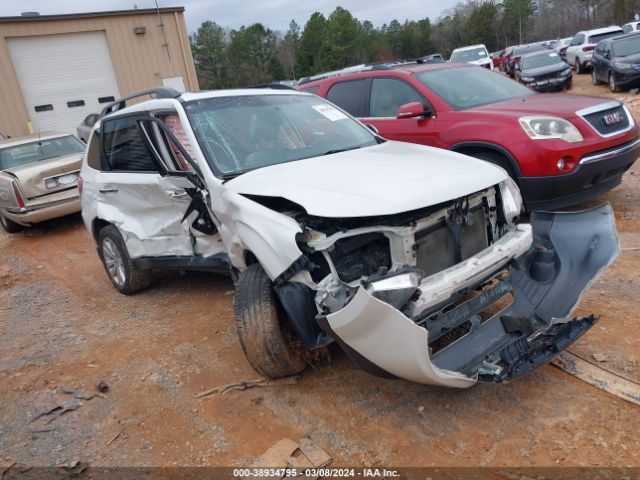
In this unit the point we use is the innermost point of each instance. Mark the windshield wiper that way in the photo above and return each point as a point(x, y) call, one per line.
point(340, 150)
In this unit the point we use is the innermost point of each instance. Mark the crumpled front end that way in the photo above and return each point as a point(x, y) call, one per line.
point(491, 317)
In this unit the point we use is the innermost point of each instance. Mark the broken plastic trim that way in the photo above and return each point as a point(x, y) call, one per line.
point(512, 342)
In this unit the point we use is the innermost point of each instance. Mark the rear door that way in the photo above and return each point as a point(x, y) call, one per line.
point(133, 190)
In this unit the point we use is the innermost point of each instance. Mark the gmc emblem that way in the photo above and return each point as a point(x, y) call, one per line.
point(613, 118)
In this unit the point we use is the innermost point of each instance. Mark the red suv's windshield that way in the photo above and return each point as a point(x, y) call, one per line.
point(470, 87)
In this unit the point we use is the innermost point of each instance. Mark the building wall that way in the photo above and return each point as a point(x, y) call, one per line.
point(139, 61)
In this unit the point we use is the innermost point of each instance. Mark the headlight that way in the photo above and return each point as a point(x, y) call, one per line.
point(624, 66)
point(566, 72)
point(527, 79)
point(396, 290)
point(511, 199)
point(542, 128)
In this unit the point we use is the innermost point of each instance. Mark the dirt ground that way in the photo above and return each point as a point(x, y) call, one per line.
point(63, 325)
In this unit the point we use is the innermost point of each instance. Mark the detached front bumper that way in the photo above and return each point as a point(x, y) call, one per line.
point(550, 265)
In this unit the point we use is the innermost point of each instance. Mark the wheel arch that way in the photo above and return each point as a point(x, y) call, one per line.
point(469, 148)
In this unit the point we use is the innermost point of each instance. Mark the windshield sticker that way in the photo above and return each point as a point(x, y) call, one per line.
point(330, 112)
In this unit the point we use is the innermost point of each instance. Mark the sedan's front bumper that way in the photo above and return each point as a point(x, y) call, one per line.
point(526, 334)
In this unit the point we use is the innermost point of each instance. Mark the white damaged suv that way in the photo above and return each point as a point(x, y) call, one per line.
point(410, 257)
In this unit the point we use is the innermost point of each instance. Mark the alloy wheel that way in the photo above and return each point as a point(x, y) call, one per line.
point(113, 261)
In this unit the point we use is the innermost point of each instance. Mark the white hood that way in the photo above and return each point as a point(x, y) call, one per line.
point(385, 179)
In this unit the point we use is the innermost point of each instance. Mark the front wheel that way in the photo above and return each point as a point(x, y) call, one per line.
point(264, 331)
point(594, 78)
point(9, 226)
point(115, 257)
point(613, 86)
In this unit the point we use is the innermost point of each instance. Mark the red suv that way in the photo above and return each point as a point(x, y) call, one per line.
point(561, 149)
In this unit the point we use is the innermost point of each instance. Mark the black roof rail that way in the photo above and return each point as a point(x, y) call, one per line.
point(275, 86)
point(158, 92)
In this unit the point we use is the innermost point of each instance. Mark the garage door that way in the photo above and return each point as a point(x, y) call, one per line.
point(63, 77)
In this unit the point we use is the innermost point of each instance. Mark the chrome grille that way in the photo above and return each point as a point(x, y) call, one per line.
point(609, 121)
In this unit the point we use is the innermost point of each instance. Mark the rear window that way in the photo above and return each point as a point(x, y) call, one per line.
point(348, 96)
point(469, 55)
point(603, 36)
point(470, 87)
point(626, 46)
point(39, 150)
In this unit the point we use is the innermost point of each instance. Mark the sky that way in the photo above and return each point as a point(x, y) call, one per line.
point(274, 14)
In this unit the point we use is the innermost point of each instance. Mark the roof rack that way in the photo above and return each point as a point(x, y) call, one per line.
point(158, 92)
point(366, 67)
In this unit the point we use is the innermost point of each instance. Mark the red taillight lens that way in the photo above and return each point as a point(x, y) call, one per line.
point(18, 195)
point(588, 48)
point(80, 185)
point(516, 60)
point(563, 50)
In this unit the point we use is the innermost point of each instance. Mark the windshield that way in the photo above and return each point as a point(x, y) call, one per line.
point(241, 133)
point(468, 55)
point(39, 150)
point(626, 46)
point(536, 61)
point(470, 87)
point(604, 36)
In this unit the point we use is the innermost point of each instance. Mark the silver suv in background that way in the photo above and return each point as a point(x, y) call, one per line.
point(581, 48)
point(474, 54)
point(410, 257)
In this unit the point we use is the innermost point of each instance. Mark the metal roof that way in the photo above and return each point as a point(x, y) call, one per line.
point(71, 16)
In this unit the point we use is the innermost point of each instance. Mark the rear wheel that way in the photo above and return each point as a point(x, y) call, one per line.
point(594, 78)
point(613, 86)
point(9, 226)
point(264, 331)
point(121, 271)
point(579, 68)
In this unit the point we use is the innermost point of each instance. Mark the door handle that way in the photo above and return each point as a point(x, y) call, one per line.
point(108, 188)
point(179, 194)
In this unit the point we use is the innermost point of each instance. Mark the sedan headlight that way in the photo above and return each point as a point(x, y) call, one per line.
point(396, 290)
point(511, 199)
point(624, 66)
point(527, 79)
point(543, 128)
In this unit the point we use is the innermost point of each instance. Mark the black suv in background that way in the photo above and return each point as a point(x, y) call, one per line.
point(616, 61)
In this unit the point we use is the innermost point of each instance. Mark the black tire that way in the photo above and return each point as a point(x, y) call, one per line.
point(120, 269)
point(594, 79)
point(613, 86)
point(9, 226)
point(579, 69)
point(266, 338)
point(495, 158)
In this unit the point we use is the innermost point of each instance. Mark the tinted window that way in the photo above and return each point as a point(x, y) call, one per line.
point(348, 96)
point(626, 46)
point(603, 36)
point(388, 94)
point(124, 148)
point(93, 151)
point(471, 87)
point(313, 90)
point(38, 151)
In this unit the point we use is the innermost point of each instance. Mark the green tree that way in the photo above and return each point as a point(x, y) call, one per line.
point(481, 27)
point(517, 16)
point(251, 55)
point(308, 61)
point(208, 47)
point(340, 47)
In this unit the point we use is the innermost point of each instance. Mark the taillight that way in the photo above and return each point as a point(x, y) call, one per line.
point(563, 50)
point(516, 60)
point(588, 48)
point(80, 185)
point(18, 195)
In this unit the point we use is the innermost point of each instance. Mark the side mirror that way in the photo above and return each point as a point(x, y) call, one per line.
point(414, 110)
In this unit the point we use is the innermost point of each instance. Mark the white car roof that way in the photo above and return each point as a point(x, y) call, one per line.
point(596, 31)
point(157, 103)
point(470, 47)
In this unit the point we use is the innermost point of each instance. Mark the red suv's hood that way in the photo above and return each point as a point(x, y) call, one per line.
point(563, 106)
